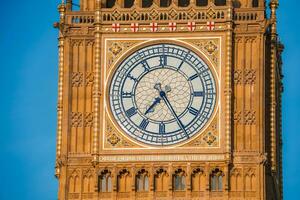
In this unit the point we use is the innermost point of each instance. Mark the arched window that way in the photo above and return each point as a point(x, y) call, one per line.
point(216, 180)
point(161, 180)
point(183, 3)
point(255, 3)
point(142, 181)
point(104, 181)
point(179, 180)
point(147, 3)
point(198, 180)
point(201, 2)
point(165, 3)
point(128, 3)
point(110, 3)
point(124, 181)
point(220, 2)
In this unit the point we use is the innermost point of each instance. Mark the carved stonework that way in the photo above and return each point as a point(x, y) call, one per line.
point(77, 79)
point(89, 79)
point(117, 48)
point(79, 119)
point(245, 76)
point(249, 76)
point(237, 76)
point(76, 119)
point(88, 119)
point(208, 46)
point(209, 138)
point(246, 117)
point(114, 139)
point(249, 117)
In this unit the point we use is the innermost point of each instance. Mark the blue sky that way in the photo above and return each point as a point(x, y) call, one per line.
point(28, 88)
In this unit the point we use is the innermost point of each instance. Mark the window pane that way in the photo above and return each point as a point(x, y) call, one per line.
point(103, 184)
point(220, 183)
point(177, 182)
point(109, 188)
point(139, 183)
point(213, 182)
point(182, 182)
point(146, 183)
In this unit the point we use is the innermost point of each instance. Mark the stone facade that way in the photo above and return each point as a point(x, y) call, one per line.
point(237, 156)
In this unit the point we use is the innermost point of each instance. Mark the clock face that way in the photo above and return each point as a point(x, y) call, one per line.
point(162, 94)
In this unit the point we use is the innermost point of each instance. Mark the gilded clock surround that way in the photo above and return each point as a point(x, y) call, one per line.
point(241, 146)
point(138, 43)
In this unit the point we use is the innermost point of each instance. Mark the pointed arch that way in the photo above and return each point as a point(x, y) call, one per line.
point(216, 180)
point(161, 180)
point(105, 181)
point(179, 180)
point(124, 181)
point(142, 181)
point(198, 180)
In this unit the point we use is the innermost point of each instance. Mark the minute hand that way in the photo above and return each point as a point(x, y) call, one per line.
point(162, 94)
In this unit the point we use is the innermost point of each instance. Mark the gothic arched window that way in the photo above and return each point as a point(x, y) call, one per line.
point(104, 181)
point(179, 180)
point(220, 2)
point(165, 3)
point(128, 3)
point(183, 3)
point(142, 181)
point(147, 3)
point(124, 181)
point(161, 180)
point(216, 180)
point(255, 3)
point(198, 180)
point(201, 2)
point(110, 3)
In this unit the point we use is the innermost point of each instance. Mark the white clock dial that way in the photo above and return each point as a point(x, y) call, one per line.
point(162, 94)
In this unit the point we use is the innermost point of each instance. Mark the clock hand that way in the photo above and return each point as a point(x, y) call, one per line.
point(162, 94)
point(156, 101)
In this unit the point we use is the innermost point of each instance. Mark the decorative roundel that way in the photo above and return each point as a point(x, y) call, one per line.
point(162, 94)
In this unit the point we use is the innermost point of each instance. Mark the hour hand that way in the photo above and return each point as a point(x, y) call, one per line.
point(150, 109)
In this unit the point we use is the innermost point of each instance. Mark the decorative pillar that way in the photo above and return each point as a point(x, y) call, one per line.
point(61, 40)
point(273, 19)
point(228, 80)
point(96, 88)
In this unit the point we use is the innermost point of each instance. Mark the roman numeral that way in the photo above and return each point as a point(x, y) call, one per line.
point(198, 94)
point(146, 66)
point(130, 112)
point(126, 94)
point(193, 111)
point(132, 77)
point(144, 124)
point(193, 77)
point(163, 60)
point(162, 128)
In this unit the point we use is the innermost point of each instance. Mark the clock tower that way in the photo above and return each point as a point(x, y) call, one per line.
point(162, 99)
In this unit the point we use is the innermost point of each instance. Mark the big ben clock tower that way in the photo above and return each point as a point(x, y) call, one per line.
point(162, 99)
